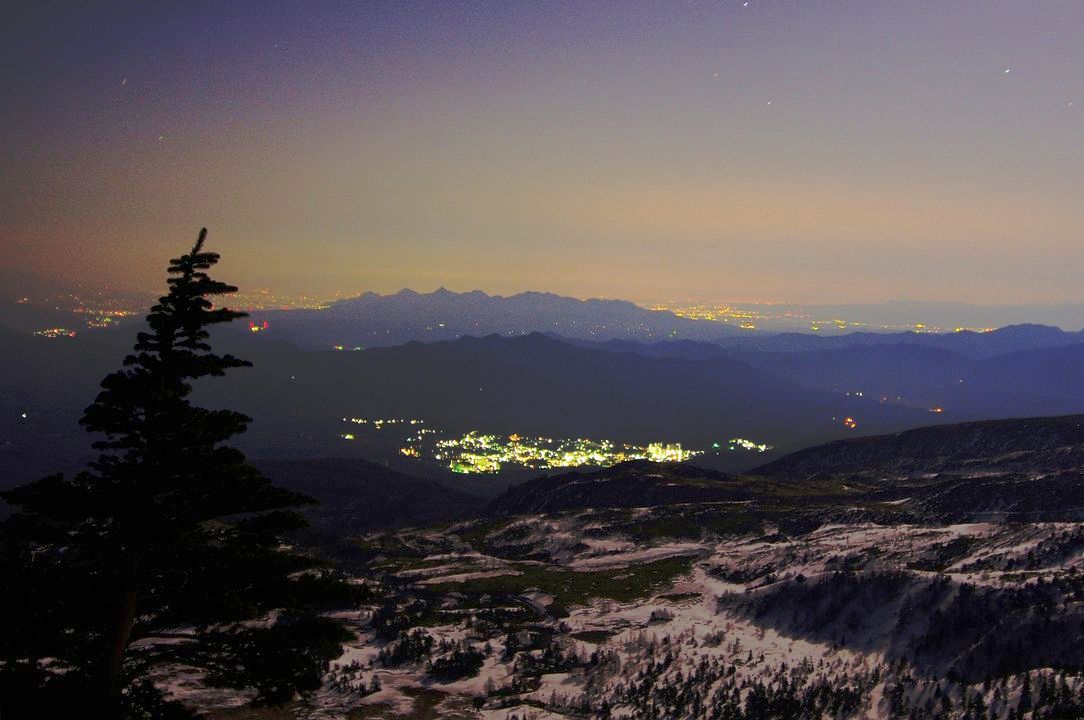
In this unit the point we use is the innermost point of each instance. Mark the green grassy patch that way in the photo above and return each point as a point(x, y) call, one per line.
point(577, 588)
point(251, 712)
point(426, 704)
point(688, 524)
point(478, 531)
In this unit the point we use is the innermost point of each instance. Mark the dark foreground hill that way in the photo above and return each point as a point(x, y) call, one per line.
point(1035, 445)
point(1009, 469)
point(693, 494)
point(914, 575)
point(356, 496)
point(1017, 470)
point(628, 485)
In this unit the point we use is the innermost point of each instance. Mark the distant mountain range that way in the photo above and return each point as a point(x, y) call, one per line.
point(372, 320)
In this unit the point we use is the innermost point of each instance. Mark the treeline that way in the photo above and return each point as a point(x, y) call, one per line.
point(964, 632)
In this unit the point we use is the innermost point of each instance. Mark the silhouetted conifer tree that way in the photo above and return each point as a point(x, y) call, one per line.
point(167, 550)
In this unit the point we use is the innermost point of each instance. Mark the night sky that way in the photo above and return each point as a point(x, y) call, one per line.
point(763, 151)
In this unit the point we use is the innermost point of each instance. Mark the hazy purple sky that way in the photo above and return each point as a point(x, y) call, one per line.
point(793, 151)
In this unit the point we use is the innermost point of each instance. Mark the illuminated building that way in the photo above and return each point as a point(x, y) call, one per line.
point(54, 333)
point(735, 444)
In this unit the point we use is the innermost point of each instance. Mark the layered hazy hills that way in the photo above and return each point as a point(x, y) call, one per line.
point(532, 385)
point(540, 386)
point(696, 393)
point(1014, 371)
point(27, 318)
point(1007, 339)
point(968, 343)
point(1035, 381)
point(30, 302)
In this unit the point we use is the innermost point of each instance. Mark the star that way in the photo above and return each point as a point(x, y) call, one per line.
point(1008, 70)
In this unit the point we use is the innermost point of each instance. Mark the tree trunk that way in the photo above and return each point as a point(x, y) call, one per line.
point(120, 633)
